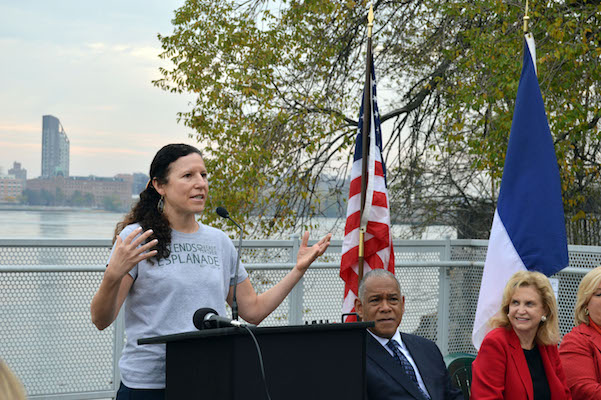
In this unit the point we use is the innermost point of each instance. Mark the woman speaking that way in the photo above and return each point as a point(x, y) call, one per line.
point(518, 359)
point(165, 265)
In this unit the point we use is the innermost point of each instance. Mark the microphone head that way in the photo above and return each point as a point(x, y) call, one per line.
point(222, 212)
point(199, 317)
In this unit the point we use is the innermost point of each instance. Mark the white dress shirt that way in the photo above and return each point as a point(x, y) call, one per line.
point(405, 351)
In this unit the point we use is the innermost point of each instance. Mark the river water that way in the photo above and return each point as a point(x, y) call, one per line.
point(57, 224)
point(96, 224)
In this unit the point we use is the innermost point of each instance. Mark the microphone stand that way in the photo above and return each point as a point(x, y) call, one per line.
point(234, 297)
point(223, 213)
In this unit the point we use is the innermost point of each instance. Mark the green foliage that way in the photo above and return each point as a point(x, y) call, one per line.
point(111, 203)
point(39, 197)
point(481, 96)
point(278, 87)
point(79, 199)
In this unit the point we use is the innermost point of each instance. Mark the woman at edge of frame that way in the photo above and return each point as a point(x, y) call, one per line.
point(580, 349)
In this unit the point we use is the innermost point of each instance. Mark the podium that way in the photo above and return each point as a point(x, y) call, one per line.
point(316, 362)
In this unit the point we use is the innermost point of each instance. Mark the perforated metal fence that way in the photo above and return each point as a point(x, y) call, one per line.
point(47, 338)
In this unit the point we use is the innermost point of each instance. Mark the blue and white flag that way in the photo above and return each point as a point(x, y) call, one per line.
point(528, 229)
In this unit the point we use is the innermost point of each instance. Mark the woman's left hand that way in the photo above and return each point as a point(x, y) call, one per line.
point(254, 308)
point(306, 255)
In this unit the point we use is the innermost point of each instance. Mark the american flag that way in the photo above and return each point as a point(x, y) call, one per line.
point(378, 252)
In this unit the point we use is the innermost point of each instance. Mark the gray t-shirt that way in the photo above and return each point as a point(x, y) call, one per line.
point(164, 296)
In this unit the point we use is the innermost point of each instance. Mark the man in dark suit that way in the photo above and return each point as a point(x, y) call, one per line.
point(400, 366)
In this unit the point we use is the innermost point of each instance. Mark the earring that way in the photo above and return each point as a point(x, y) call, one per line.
point(543, 318)
point(161, 205)
point(586, 312)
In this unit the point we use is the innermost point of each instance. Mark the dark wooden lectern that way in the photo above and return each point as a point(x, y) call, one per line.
point(304, 362)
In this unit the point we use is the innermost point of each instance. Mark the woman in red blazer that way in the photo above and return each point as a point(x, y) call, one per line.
point(580, 350)
point(518, 359)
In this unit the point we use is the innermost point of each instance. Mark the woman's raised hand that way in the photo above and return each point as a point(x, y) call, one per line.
point(128, 252)
point(306, 255)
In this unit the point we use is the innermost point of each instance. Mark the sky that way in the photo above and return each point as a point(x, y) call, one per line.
point(90, 64)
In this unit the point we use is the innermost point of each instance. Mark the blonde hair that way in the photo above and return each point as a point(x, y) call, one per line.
point(548, 331)
point(11, 387)
point(587, 287)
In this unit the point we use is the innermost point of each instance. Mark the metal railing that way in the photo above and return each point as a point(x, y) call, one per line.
point(47, 338)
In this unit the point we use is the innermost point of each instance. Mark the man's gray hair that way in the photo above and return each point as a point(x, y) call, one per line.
point(376, 273)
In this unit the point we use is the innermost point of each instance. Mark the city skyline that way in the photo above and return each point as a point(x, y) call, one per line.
point(51, 126)
point(91, 66)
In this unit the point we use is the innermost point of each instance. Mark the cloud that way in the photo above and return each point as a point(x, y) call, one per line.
point(140, 51)
point(104, 107)
point(120, 48)
point(22, 146)
point(98, 46)
point(9, 41)
point(95, 151)
point(27, 128)
point(126, 136)
point(146, 53)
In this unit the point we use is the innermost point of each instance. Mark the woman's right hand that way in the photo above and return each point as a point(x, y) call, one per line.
point(116, 282)
point(128, 253)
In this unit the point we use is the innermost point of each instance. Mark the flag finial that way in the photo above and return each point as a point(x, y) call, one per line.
point(526, 18)
point(370, 20)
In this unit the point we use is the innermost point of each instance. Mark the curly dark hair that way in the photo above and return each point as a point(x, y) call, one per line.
point(145, 211)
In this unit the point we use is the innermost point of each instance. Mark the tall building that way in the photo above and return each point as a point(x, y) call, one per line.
point(55, 148)
point(18, 172)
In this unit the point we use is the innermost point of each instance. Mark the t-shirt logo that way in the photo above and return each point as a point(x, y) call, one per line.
point(203, 255)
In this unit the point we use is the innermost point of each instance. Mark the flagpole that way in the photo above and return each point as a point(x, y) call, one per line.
point(526, 18)
point(365, 141)
point(368, 190)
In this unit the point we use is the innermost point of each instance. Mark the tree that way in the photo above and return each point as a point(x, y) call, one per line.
point(77, 199)
point(278, 90)
point(111, 203)
point(31, 197)
point(88, 199)
point(47, 198)
point(60, 198)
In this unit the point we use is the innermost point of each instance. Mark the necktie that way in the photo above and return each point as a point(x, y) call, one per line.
point(405, 364)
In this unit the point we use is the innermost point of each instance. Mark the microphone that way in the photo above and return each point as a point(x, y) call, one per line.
point(207, 318)
point(222, 212)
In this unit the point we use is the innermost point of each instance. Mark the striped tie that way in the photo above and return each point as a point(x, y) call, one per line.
point(405, 364)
